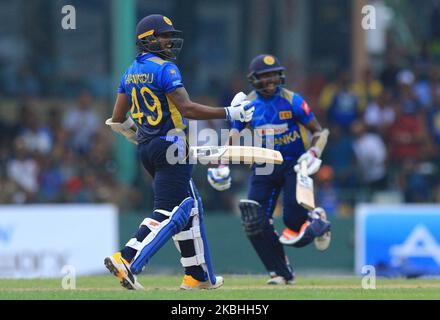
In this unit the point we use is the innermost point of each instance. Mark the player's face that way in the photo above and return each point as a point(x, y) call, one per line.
point(169, 44)
point(165, 42)
point(269, 82)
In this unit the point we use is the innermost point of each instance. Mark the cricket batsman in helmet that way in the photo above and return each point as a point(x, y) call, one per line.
point(284, 117)
point(152, 91)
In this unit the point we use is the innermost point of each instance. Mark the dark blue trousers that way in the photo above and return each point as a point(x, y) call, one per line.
point(171, 185)
point(170, 182)
point(265, 189)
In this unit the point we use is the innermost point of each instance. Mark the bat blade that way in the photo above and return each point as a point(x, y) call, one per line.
point(304, 190)
point(210, 153)
point(236, 154)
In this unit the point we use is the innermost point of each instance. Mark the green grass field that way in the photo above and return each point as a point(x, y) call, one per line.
point(235, 288)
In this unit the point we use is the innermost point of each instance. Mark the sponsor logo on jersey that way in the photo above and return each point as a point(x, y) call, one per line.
point(285, 115)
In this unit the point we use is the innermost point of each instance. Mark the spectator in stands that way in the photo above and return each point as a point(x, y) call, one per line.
point(428, 82)
point(55, 125)
point(327, 193)
point(339, 154)
point(380, 114)
point(388, 77)
point(23, 171)
point(35, 135)
point(406, 96)
point(424, 61)
point(344, 108)
point(368, 88)
point(69, 166)
point(406, 137)
point(82, 122)
point(8, 189)
point(328, 92)
point(371, 155)
point(50, 180)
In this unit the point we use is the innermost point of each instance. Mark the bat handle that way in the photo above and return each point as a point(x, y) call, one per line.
point(303, 167)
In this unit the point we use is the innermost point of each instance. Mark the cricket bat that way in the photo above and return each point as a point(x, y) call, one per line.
point(304, 188)
point(236, 154)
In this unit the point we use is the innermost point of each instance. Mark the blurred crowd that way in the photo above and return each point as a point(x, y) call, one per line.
point(385, 135)
point(62, 155)
point(384, 144)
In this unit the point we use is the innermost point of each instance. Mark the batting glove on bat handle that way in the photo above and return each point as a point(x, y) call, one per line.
point(313, 162)
point(220, 178)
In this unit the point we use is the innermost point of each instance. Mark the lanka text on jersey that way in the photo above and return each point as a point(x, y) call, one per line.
point(146, 83)
point(283, 118)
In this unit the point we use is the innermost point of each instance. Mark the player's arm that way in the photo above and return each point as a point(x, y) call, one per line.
point(220, 177)
point(119, 121)
point(121, 108)
point(242, 111)
point(313, 154)
point(236, 126)
point(304, 116)
point(319, 137)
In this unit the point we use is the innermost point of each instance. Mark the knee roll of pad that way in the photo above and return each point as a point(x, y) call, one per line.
point(252, 217)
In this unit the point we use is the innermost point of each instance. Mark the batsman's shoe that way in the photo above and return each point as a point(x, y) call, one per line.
point(290, 237)
point(189, 283)
point(322, 242)
point(279, 280)
point(119, 267)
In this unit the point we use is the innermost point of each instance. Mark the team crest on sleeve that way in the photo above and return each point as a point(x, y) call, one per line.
point(305, 107)
point(173, 72)
point(285, 115)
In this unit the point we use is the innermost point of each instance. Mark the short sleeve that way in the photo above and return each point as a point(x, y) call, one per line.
point(170, 78)
point(121, 87)
point(301, 110)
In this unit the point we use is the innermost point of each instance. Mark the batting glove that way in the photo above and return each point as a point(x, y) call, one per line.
point(313, 162)
point(220, 178)
point(240, 109)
